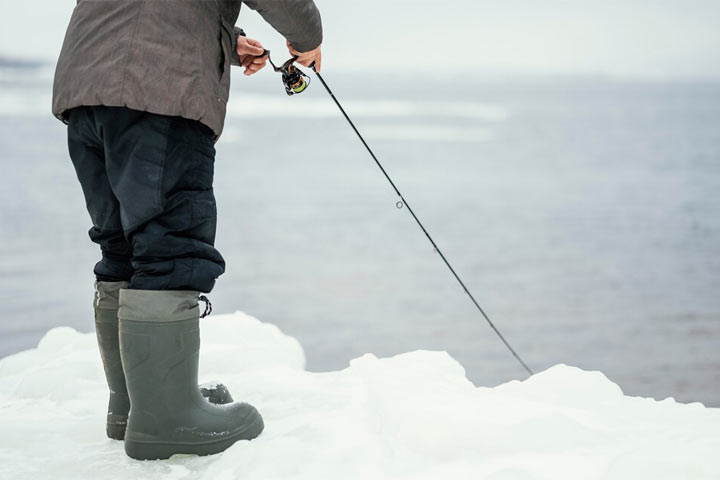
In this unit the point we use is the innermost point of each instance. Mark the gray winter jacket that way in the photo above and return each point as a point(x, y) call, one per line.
point(170, 57)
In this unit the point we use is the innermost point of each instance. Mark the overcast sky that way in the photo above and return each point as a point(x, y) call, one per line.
point(628, 38)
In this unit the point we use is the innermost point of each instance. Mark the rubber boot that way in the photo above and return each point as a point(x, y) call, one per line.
point(159, 345)
point(106, 327)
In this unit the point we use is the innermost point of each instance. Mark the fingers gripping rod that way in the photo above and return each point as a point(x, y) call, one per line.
point(404, 202)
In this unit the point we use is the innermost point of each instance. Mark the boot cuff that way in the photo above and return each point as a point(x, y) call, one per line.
point(158, 305)
point(107, 294)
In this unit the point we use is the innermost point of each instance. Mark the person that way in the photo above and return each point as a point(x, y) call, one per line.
point(143, 87)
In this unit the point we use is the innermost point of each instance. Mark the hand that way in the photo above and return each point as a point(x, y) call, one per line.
point(250, 51)
point(307, 58)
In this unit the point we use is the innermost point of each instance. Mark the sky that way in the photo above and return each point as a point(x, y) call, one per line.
point(624, 38)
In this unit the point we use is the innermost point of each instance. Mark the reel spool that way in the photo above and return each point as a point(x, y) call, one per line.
point(294, 80)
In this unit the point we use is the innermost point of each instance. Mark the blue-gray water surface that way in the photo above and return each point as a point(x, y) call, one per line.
point(583, 214)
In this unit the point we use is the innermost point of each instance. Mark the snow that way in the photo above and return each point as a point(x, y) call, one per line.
point(414, 415)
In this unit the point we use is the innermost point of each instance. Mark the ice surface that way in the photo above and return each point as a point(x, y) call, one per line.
point(414, 415)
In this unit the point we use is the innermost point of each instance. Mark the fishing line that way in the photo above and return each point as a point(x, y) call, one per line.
point(402, 202)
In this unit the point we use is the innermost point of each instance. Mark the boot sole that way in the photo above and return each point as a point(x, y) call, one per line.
point(140, 450)
point(116, 432)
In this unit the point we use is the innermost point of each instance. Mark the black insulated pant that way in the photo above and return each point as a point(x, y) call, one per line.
point(147, 181)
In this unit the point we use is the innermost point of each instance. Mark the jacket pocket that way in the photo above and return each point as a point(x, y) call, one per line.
point(226, 45)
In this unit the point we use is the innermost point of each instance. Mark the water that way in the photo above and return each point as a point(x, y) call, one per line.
point(583, 214)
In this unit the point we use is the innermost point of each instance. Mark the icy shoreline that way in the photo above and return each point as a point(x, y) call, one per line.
point(414, 415)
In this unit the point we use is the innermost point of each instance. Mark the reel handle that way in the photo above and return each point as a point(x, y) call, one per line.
point(275, 67)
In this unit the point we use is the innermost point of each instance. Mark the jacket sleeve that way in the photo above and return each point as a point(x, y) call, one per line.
point(297, 20)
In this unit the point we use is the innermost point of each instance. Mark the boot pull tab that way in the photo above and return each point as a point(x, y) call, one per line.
point(208, 306)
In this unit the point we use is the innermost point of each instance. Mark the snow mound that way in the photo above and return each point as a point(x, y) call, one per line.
point(412, 416)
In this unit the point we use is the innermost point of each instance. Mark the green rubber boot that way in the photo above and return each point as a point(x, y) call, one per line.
point(106, 327)
point(159, 344)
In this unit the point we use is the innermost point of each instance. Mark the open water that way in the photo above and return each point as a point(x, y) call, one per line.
point(583, 213)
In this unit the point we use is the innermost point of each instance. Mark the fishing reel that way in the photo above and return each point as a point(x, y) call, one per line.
point(294, 80)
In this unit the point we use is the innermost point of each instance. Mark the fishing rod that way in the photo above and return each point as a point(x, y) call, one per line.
point(295, 82)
